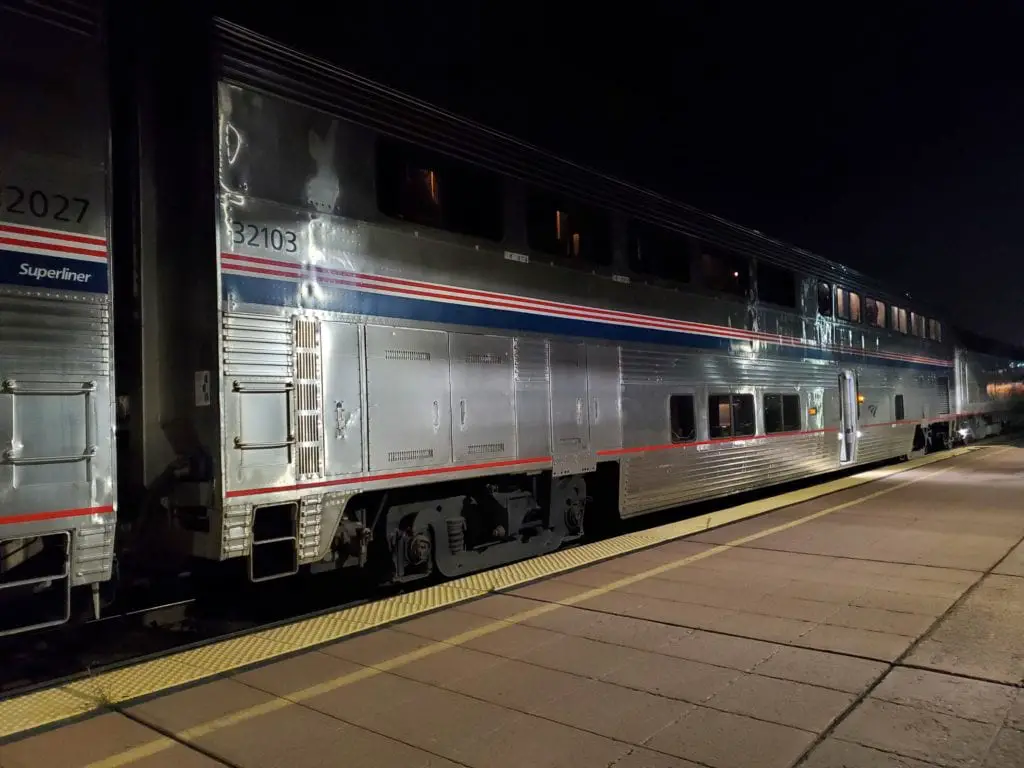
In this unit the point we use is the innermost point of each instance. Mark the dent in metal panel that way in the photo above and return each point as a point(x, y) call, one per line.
point(604, 388)
point(343, 408)
point(408, 426)
point(483, 397)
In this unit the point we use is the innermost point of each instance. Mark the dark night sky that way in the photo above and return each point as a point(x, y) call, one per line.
point(887, 136)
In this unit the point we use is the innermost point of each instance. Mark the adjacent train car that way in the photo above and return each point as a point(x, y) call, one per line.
point(357, 331)
point(57, 463)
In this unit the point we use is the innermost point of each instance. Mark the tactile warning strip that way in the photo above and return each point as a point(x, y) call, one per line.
point(54, 705)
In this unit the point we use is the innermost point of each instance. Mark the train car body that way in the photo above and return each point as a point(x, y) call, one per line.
point(356, 331)
point(57, 463)
point(435, 356)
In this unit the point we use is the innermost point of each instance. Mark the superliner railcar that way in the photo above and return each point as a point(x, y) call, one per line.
point(356, 330)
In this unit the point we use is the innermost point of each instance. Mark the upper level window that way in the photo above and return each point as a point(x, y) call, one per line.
point(874, 312)
point(920, 325)
point(781, 413)
point(848, 305)
point(658, 252)
point(899, 319)
point(421, 187)
point(934, 330)
point(569, 230)
point(776, 285)
point(683, 418)
point(824, 299)
point(731, 416)
point(724, 271)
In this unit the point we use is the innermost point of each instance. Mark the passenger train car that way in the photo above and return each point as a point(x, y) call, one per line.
point(354, 330)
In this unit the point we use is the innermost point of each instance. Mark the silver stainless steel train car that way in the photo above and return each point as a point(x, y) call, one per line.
point(357, 331)
point(57, 490)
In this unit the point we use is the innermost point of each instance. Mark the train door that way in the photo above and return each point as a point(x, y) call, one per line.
point(848, 417)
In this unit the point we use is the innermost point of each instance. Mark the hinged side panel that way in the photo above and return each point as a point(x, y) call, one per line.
point(483, 398)
point(259, 397)
point(408, 427)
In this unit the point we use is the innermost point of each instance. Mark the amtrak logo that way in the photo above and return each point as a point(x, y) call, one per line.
point(63, 274)
point(873, 409)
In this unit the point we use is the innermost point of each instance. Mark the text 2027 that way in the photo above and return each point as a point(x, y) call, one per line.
point(270, 238)
point(43, 205)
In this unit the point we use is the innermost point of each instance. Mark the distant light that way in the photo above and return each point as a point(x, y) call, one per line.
point(735, 274)
point(812, 411)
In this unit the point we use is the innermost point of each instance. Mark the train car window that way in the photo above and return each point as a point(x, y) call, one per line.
point(899, 408)
point(719, 416)
point(920, 323)
point(724, 271)
point(874, 312)
point(776, 285)
point(824, 299)
point(683, 418)
point(899, 319)
point(842, 305)
point(743, 420)
point(934, 330)
point(567, 230)
point(731, 416)
point(658, 252)
point(854, 300)
point(422, 187)
point(781, 413)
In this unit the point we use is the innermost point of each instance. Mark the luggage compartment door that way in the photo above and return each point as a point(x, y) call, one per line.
point(408, 397)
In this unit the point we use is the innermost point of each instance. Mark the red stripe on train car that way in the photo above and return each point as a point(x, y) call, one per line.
point(388, 476)
point(57, 514)
point(53, 234)
point(713, 441)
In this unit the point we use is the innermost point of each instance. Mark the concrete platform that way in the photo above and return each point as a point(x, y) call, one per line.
point(881, 625)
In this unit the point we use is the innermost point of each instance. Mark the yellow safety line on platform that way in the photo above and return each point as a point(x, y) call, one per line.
point(102, 691)
point(190, 735)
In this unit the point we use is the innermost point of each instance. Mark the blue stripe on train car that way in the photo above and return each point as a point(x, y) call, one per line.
point(36, 270)
point(284, 293)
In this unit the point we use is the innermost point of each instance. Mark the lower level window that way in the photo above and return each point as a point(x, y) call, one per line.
point(731, 416)
point(781, 413)
point(683, 418)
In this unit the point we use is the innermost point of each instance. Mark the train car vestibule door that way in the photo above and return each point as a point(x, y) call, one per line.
point(848, 420)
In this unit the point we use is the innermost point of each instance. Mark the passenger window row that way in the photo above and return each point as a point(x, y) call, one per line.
point(834, 301)
point(421, 187)
point(733, 415)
